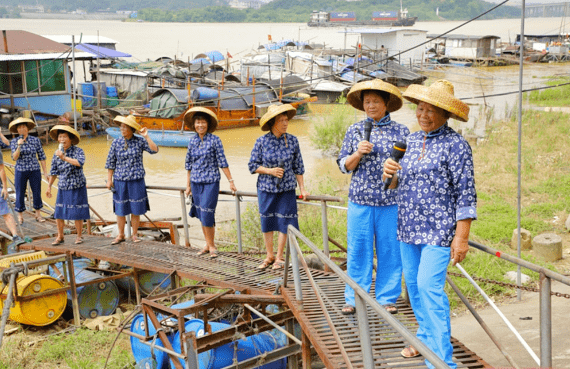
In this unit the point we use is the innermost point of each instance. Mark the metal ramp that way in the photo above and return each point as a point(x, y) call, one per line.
point(232, 270)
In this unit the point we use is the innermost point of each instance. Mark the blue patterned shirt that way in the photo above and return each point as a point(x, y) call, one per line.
point(204, 157)
point(267, 152)
point(3, 145)
point(30, 152)
point(126, 158)
point(436, 187)
point(366, 186)
point(70, 176)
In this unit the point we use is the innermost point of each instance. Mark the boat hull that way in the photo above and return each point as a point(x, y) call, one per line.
point(166, 138)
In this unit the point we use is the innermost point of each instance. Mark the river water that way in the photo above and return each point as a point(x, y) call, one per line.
point(152, 40)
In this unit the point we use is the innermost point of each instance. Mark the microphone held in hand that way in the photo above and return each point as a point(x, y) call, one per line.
point(281, 164)
point(367, 130)
point(397, 153)
point(60, 148)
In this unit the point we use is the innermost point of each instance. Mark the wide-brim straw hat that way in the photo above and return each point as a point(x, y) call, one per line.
point(74, 135)
point(130, 121)
point(440, 94)
point(212, 125)
point(354, 96)
point(13, 127)
point(275, 110)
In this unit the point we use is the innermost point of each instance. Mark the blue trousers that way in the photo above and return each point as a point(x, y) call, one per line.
point(372, 228)
point(425, 268)
point(21, 179)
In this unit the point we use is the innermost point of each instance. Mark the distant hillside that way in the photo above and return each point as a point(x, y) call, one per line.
point(275, 11)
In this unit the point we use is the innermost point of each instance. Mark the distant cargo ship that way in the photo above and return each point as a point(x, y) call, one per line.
point(341, 19)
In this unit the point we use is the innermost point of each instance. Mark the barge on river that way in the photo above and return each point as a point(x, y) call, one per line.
point(394, 18)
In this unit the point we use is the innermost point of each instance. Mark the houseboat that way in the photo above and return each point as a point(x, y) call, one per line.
point(393, 18)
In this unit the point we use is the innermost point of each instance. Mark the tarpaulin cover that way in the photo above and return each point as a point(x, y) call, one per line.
point(102, 52)
point(168, 103)
point(214, 56)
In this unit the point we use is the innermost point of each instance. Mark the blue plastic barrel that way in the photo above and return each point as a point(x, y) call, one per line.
point(223, 356)
point(86, 90)
point(112, 91)
point(140, 350)
point(148, 281)
point(94, 299)
point(204, 93)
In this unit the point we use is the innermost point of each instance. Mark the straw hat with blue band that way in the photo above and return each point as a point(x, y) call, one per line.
point(354, 96)
point(13, 127)
point(193, 111)
point(275, 110)
point(440, 94)
point(129, 121)
point(74, 135)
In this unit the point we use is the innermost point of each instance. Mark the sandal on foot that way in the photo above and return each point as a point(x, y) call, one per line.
point(410, 351)
point(348, 310)
point(391, 308)
point(266, 263)
point(203, 252)
point(79, 240)
point(213, 254)
point(21, 220)
point(136, 239)
point(279, 264)
point(40, 219)
point(117, 241)
point(58, 241)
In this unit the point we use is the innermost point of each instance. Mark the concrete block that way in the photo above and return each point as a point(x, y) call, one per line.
point(548, 246)
point(512, 276)
point(526, 240)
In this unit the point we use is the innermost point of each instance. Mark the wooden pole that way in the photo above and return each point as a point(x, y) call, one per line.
point(11, 88)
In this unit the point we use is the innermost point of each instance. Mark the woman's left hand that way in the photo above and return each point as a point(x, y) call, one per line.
point(459, 249)
point(144, 132)
point(59, 154)
point(304, 193)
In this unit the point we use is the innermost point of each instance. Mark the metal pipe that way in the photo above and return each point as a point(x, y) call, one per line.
point(128, 233)
point(481, 322)
point(545, 326)
point(324, 220)
point(184, 219)
point(517, 335)
point(73, 86)
point(296, 272)
point(10, 87)
point(238, 223)
point(364, 332)
point(273, 324)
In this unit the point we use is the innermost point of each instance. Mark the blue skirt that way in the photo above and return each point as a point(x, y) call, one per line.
point(72, 204)
point(130, 198)
point(204, 202)
point(277, 210)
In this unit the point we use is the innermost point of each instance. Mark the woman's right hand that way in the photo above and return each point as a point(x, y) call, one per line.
point(277, 172)
point(365, 147)
point(188, 191)
point(20, 141)
point(48, 193)
point(390, 168)
point(109, 184)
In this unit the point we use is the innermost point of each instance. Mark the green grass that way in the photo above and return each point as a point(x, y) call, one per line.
point(329, 129)
point(558, 96)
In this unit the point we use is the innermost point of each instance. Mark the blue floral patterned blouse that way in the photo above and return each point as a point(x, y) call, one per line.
point(204, 157)
point(267, 152)
point(70, 176)
point(3, 145)
point(30, 152)
point(436, 187)
point(366, 186)
point(126, 158)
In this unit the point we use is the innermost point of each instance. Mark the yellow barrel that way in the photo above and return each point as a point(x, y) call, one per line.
point(42, 310)
point(78, 106)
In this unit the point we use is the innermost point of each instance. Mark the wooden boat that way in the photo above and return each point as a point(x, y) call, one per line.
point(165, 138)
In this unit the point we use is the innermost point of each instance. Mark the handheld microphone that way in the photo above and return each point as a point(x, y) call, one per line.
point(280, 164)
point(367, 130)
point(397, 153)
point(60, 147)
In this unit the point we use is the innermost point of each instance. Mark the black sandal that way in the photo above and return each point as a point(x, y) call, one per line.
point(58, 241)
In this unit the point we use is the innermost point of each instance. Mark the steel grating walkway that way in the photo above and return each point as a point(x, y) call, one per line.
point(230, 270)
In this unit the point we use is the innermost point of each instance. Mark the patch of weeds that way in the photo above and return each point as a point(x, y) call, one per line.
point(329, 130)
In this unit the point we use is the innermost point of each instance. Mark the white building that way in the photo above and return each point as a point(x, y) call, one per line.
point(395, 42)
point(245, 4)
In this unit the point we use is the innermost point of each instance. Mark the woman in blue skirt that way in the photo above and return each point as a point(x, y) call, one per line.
point(126, 174)
point(205, 155)
point(276, 157)
point(67, 163)
point(29, 155)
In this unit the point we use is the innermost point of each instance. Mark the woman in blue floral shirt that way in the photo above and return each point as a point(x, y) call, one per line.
point(67, 163)
point(372, 211)
point(29, 155)
point(204, 158)
point(276, 157)
point(437, 202)
point(126, 174)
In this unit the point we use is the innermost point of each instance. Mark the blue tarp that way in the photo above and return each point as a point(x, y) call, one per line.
point(215, 56)
point(102, 52)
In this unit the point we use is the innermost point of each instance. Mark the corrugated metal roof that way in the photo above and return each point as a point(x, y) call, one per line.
point(23, 42)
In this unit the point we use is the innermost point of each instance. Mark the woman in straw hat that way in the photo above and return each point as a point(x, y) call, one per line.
point(126, 174)
point(29, 155)
point(437, 202)
point(204, 158)
point(67, 163)
point(276, 157)
point(372, 211)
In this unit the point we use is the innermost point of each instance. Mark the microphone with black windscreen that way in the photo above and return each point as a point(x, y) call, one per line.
point(367, 130)
point(281, 164)
point(397, 153)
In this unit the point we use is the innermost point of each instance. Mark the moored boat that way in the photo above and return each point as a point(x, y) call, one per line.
point(166, 138)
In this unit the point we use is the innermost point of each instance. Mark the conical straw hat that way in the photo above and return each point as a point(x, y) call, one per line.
point(191, 112)
point(354, 96)
point(54, 132)
point(14, 124)
point(440, 94)
point(275, 110)
point(129, 121)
